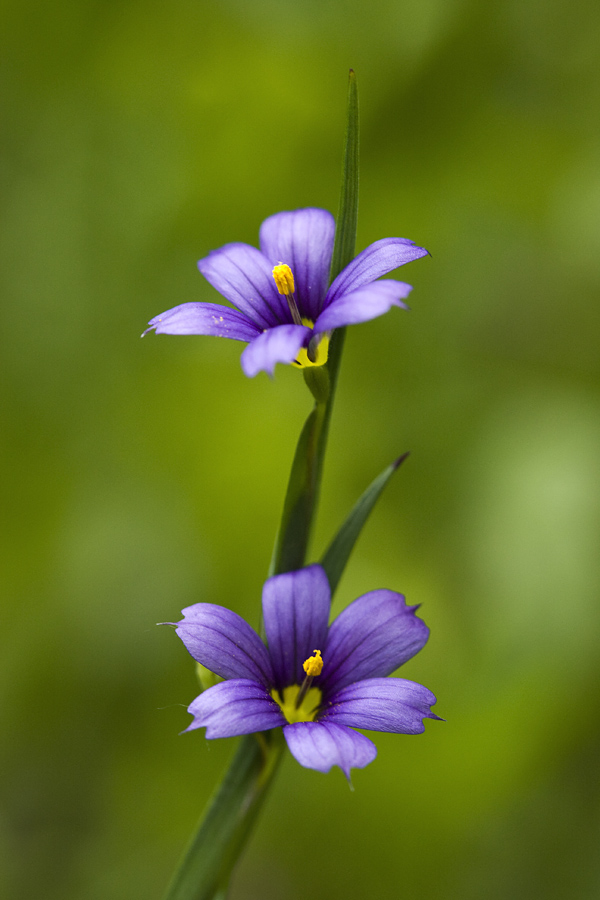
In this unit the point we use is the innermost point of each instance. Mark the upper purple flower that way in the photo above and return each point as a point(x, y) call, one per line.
point(313, 697)
point(284, 309)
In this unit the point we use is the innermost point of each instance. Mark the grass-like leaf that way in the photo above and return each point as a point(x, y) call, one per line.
point(337, 554)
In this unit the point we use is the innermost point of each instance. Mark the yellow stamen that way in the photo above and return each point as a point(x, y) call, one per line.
point(320, 353)
point(284, 279)
point(313, 666)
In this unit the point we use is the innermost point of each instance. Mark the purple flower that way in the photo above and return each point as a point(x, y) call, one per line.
point(316, 681)
point(283, 306)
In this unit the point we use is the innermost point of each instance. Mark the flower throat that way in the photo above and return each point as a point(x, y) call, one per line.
point(301, 702)
point(317, 351)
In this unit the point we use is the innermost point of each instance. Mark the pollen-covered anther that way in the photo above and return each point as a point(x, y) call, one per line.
point(313, 666)
point(284, 279)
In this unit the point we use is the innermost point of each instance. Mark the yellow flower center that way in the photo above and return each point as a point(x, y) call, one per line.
point(322, 350)
point(309, 705)
point(300, 702)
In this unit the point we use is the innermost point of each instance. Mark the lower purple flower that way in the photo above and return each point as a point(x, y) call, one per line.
point(316, 681)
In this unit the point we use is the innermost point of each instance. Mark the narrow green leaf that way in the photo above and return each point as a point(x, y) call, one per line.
point(344, 247)
point(337, 554)
point(215, 847)
point(300, 501)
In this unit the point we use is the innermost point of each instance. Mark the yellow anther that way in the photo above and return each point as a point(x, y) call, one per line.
point(284, 279)
point(313, 665)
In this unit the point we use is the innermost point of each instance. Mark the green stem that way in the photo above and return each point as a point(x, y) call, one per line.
point(299, 510)
point(300, 506)
point(215, 847)
point(207, 863)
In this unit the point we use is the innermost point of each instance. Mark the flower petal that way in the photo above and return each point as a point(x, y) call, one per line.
point(381, 704)
point(320, 746)
point(371, 638)
point(295, 613)
point(243, 275)
point(363, 304)
point(279, 344)
point(204, 318)
point(239, 706)
point(224, 643)
point(304, 240)
point(376, 260)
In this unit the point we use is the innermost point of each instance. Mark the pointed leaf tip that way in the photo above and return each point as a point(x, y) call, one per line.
point(398, 462)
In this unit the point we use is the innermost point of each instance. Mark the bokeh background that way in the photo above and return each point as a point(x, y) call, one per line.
point(142, 476)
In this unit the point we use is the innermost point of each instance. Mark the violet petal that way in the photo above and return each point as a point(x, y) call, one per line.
point(320, 746)
point(239, 706)
point(243, 275)
point(376, 260)
point(295, 613)
point(224, 643)
point(381, 704)
point(279, 344)
point(205, 318)
point(370, 638)
point(363, 304)
point(303, 239)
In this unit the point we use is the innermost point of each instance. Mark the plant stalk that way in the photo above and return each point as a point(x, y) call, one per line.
point(216, 846)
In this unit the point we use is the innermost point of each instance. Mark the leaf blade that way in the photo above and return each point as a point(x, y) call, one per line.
point(336, 557)
point(344, 246)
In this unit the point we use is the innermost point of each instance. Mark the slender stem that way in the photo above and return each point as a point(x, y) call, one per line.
point(207, 863)
point(214, 849)
point(291, 545)
point(302, 495)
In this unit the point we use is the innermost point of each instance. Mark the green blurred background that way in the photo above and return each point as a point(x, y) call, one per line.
point(142, 476)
